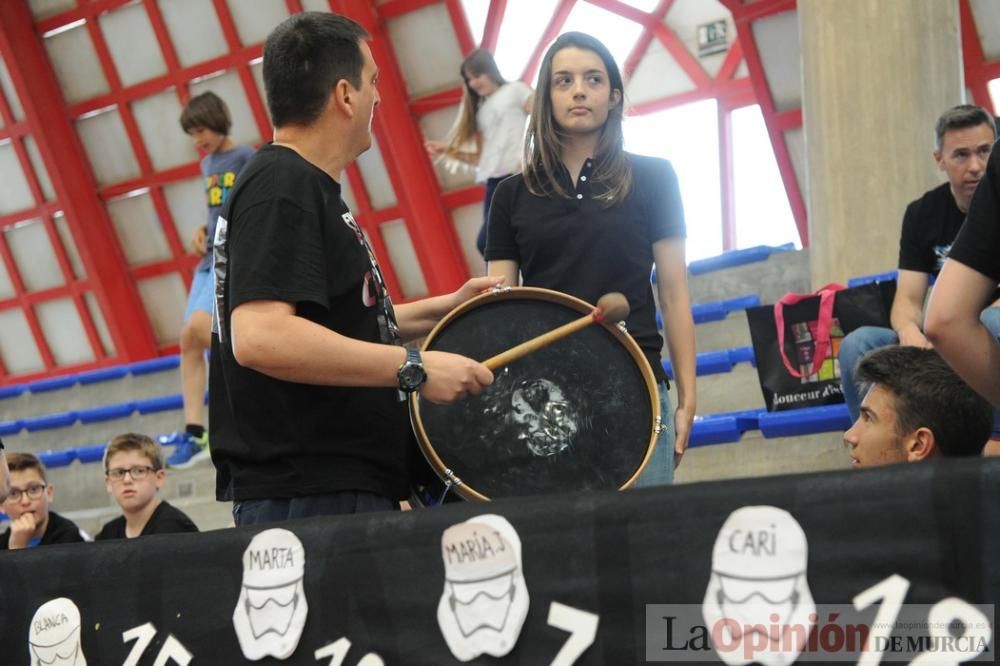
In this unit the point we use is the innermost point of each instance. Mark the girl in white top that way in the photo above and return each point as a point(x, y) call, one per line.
point(490, 127)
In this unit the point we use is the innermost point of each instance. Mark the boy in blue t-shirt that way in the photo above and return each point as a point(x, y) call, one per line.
point(206, 120)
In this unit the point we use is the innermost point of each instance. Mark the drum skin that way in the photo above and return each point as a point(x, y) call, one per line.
point(578, 414)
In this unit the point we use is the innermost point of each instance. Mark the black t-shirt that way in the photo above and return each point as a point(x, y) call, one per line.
point(286, 235)
point(978, 244)
point(585, 248)
point(59, 530)
point(166, 519)
point(930, 225)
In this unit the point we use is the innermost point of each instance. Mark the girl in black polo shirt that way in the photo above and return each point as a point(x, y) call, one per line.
point(587, 218)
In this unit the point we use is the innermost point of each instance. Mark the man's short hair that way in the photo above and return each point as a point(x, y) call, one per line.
point(304, 58)
point(928, 393)
point(207, 111)
point(20, 462)
point(962, 117)
point(131, 441)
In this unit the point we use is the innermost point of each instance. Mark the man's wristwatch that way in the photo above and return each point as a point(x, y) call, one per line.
point(411, 375)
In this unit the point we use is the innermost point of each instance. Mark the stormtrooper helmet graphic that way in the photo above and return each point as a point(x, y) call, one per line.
point(54, 635)
point(271, 611)
point(758, 605)
point(485, 600)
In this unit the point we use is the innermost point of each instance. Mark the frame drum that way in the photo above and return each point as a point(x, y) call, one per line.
point(582, 413)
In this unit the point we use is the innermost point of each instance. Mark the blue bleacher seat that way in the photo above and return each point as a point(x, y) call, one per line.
point(161, 404)
point(807, 421)
point(106, 412)
point(705, 363)
point(888, 276)
point(90, 453)
point(736, 258)
point(57, 458)
point(718, 430)
point(52, 384)
point(11, 391)
point(11, 427)
point(743, 355)
point(741, 303)
point(706, 312)
point(102, 374)
point(50, 421)
point(154, 365)
point(747, 419)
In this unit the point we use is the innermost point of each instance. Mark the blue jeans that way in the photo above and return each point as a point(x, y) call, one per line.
point(867, 338)
point(257, 511)
point(659, 470)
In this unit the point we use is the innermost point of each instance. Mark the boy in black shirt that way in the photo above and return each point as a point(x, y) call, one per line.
point(134, 474)
point(32, 523)
point(965, 136)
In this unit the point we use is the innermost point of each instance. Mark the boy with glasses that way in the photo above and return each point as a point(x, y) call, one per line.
point(134, 474)
point(31, 522)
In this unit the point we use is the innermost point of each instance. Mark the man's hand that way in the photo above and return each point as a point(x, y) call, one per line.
point(451, 377)
point(21, 531)
point(199, 242)
point(474, 287)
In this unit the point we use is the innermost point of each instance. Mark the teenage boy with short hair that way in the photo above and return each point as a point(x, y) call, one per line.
point(134, 474)
point(31, 522)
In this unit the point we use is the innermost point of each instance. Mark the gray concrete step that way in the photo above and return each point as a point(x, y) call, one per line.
point(770, 280)
point(80, 434)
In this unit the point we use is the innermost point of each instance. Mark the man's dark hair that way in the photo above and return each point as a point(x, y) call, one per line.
point(304, 58)
point(929, 394)
point(962, 117)
point(207, 111)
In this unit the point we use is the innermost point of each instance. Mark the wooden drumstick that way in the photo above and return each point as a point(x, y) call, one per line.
point(611, 308)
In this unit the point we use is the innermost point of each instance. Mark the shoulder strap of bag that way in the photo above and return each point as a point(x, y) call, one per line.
point(824, 321)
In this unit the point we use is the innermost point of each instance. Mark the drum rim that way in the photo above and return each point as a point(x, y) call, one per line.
point(538, 294)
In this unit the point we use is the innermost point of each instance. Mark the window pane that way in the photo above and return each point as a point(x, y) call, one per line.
point(688, 136)
point(763, 216)
point(17, 345)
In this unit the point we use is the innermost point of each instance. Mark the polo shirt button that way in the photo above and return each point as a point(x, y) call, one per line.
point(583, 178)
point(579, 196)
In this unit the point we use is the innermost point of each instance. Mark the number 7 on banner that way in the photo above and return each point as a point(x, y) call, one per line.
point(582, 628)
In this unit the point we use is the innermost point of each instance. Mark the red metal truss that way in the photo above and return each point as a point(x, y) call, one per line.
point(978, 71)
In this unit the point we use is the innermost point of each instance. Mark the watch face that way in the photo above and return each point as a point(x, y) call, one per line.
point(411, 376)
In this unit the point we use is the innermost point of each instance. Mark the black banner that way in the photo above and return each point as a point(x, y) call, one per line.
point(597, 578)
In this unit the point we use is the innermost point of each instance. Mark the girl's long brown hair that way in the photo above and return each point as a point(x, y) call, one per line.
point(544, 140)
point(478, 62)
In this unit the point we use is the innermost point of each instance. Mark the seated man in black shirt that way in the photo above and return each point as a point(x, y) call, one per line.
point(916, 408)
point(965, 136)
point(968, 280)
point(134, 474)
point(32, 523)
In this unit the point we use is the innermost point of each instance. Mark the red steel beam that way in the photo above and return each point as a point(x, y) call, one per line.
point(365, 219)
point(494, 19)
point(460, 23)
point(552, 30)
point(976, 78)
point(645, 39)
point(72, 181)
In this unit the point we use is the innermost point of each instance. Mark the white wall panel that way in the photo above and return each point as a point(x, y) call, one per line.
point(795, 142)
point(987, 15)
point(138, 228)
point(38, 165)
point(316, 5)
point(102, 327)
point(6, 286)
point(7, 85)
point(229, 87)
point(403, 259)
point(657, 76)
point(376, 178)
point(158, 119)
point(164, 297)
point(76, 65)
point(194, 30)
point(257, 69)
point(132, 43)
point(255, 20)
point(684, 18)
point(427, 64)
point(618, 33)
point(188, 206)
point(45, 8)
point(467, 220)
point(69, 245)
point(778, 43)
point(36, 260)
point(64, 333)
point(15, 194)
point(107, 147)
point(17, 346)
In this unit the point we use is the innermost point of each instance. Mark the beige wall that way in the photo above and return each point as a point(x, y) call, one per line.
point(876, 75)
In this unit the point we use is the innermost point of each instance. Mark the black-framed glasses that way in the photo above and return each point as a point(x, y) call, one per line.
point(137, 472)
point(34, 491)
